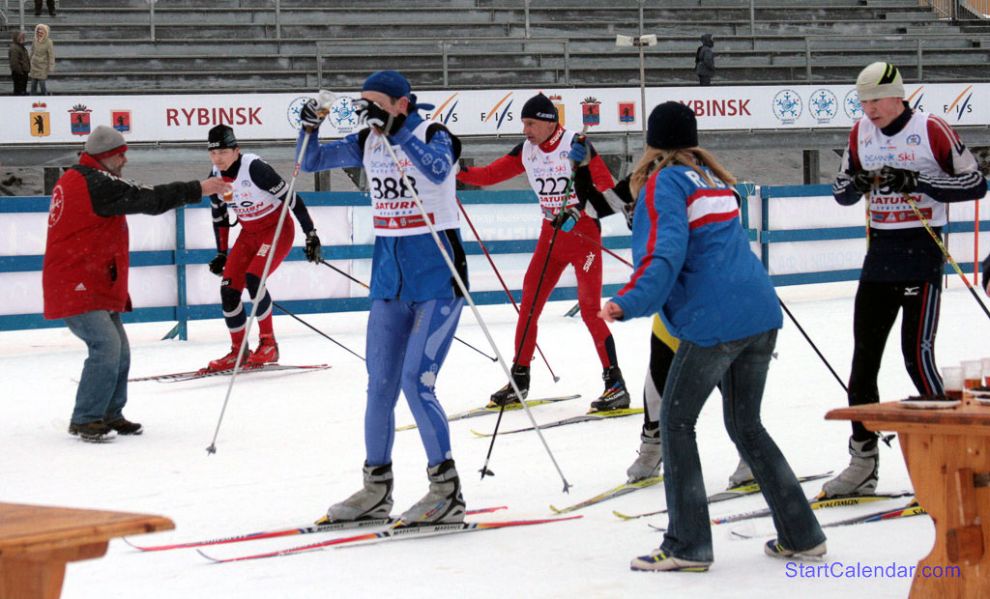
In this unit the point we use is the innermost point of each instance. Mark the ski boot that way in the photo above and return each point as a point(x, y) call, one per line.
point(371, 502)
point(507, 395)
point(860, 477)
point(266, 353)
point(227, 362)
point(647, 465)
point(615, 396)
point(442, 503)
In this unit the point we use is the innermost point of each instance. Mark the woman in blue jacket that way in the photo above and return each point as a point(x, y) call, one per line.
point(694, 267)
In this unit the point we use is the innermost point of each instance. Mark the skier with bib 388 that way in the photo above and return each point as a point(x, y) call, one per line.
point(547, 156)
point(256, 200)
point(415, 304)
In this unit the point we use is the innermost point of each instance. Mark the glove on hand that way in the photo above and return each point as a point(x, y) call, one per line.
point(898, 180)
point(986, 274)
point(373, 115)
point(311, 116)
point(218, 262)
point(579, 151)
point(313, 249)
point(863, 181)
point(566, 219)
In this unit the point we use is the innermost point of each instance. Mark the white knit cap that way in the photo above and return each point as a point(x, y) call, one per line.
point(879, 80)
point(104, 142)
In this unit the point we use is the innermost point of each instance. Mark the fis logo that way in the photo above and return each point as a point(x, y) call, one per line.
point(916, 99)
point(450, 104)
point(854, 110)
point(787, 106)
point(499, 112)
point(961, 105)
point(823, 105)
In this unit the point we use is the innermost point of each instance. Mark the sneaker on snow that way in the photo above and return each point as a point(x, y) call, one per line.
point(775, 549)
point(95, 432)
point(742, 476)
point(615, 396)
point(124, 426)
point(660, 561)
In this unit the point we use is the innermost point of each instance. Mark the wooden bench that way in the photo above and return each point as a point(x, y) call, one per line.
point(36, 542)
point(948, 457)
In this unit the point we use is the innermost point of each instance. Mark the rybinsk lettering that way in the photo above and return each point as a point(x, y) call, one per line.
point(203, 116)
point(733, 107)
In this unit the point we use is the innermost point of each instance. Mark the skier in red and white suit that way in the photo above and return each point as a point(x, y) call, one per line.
point(545, 158)
point(258, 193)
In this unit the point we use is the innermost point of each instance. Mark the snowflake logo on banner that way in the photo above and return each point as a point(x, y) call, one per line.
point(823, 105)
point(854, 109)
point(292, 113)
point(343, 116)
point(787, 106)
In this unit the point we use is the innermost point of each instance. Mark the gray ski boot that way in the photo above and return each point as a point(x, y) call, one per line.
point(742, 476)
point(442, 503)
point(860, 477)
point(371, 502)
point(647, 465)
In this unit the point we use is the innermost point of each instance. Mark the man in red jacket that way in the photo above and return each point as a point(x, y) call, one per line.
point(546, 157)
point(84, 276)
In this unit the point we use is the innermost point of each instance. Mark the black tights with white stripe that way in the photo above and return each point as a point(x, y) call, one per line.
point(877, 305)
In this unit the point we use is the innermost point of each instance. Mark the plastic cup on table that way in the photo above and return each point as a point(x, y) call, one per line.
point(952, 380)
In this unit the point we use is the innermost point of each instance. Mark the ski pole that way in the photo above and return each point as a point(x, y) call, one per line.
point(467, 297)
point(262, 287)
point(945, 251)
point(791, 316)
point(365, 285)
point(318, 331)
point(502, 281)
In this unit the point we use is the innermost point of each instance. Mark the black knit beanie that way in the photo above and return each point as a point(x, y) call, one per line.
point(540, 107)
point(672, 126)
point(221, 136)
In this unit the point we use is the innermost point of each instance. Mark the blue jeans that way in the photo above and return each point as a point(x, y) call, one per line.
point(39, 83)
point(407, 344)
point(102, 389)
point(742, 367)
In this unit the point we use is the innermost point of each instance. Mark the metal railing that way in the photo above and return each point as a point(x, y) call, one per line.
point(445, 50)
point(950, 9)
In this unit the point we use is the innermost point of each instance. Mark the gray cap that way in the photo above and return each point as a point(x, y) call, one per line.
point(104, 142)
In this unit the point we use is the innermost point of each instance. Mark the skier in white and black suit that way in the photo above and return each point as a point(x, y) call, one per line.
point(415, 303)
point(894, 152)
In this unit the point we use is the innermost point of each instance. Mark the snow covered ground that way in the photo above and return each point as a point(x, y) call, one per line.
point(291, 444)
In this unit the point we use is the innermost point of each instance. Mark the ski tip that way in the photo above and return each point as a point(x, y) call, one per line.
point(556, 510)
point(622, 516)
point(479, 434)
point(210, 558)
point(130, 544)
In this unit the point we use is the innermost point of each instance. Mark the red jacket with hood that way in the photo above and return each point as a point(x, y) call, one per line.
point(86, 253)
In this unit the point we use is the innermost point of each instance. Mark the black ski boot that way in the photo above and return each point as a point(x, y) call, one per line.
point(507, 395)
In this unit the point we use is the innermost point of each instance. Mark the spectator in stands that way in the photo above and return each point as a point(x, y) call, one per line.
point(84, 275)
point(37, 8)
point(907, 164)
point(695, 268)
point(704, 60)
point(20, 63)
point(42, 59)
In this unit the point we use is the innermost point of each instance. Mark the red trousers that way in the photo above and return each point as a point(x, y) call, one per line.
point(585, 255)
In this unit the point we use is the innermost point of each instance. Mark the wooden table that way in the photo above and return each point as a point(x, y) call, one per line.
point(948, 457)
point(36, 542)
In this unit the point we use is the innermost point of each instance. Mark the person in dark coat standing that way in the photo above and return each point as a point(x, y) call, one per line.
point(20, 63)
point(704, 60)
point(84, 275)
